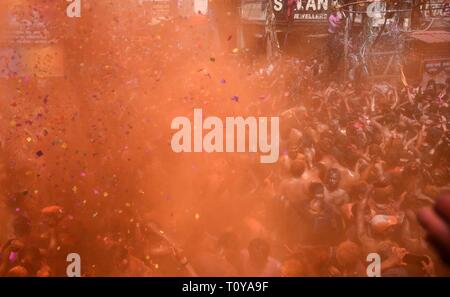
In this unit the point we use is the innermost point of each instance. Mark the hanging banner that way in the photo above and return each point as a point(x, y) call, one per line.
point(303, 10)
point(436, 8)
point(436, 66)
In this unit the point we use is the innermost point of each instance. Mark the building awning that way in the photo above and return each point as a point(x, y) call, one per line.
point(432, 37)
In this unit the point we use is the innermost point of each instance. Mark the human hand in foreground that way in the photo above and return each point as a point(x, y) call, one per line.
point(436, 222)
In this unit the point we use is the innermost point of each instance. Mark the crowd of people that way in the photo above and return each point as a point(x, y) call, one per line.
point(358, 161)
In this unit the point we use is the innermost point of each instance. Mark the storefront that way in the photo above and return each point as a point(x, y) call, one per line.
point(431, 59)
point(294, 24)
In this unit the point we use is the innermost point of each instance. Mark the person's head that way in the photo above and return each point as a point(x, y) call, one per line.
point(325, 144)
point(51, 215)
point(386, 248)
point(333, 179)
point(348, 254)
point(411, 169)
point(384, 226)
point(431, 85)
point(334, 10)
point(440, 176)
point(258, 251)
point(297, 168)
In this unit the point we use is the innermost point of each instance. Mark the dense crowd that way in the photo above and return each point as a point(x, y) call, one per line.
point(360, 163)
point(359, 158)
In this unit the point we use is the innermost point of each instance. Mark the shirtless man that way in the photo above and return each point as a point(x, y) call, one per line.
point(335, 196)
point(293, 189)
